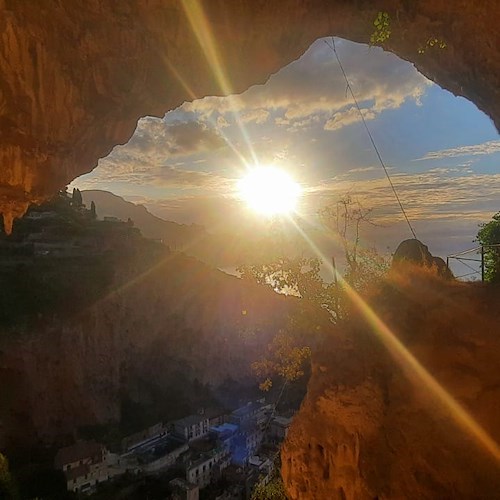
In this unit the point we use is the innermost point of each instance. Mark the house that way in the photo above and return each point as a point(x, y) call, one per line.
point(161, 455)
point(144, 437)
point(241, 481)
point(246, 443)
point(192, 427)
point(278, 429)
point(85, 464)
point(184, 490)
point(226, 436)
point(253, 412)
point(216, 416)
point(207, 467)
point(264, 467)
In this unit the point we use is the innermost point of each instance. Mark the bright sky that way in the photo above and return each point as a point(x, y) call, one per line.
point(443, 153)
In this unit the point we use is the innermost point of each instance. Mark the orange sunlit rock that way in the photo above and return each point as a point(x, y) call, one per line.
point(370, 428)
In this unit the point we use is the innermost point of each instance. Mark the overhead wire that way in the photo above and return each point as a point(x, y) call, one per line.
point(379, 156)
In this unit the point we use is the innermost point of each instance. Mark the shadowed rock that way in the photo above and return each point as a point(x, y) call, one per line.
point(415, 252)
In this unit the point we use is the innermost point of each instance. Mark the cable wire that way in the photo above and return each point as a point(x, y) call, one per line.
point(332, 47)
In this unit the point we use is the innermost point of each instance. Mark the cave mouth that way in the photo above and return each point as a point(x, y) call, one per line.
point(440, 149)
point(138, 53)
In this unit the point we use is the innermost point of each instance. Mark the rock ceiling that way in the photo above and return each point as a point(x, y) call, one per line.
point(75, 76)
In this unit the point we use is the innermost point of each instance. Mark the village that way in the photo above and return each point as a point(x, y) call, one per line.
point(231, 452)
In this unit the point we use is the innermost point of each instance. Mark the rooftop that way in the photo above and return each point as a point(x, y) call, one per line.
point(247, 409)
point(78, 471)
point(190, 420)
point(161, 448)
point(182, 484)
point(78, 451)
point(225, 428)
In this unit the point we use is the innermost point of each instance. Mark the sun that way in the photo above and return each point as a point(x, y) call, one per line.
point(269, 191)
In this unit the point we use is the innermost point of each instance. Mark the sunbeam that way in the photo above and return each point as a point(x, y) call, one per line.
point(203, 33)
point(418, 374)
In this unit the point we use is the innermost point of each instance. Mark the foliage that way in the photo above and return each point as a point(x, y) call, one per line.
point(93, 213)
point(298, 276)
point(432, 42)
point(286, 357)
point(345, 217)
point(382, 31)
point(290, 349)
point(370, 266)
point(8, 488)
point(274, 490)
point(489, 234)
point(76, 198)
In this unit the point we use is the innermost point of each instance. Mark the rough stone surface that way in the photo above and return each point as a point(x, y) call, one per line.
point(369, 428)
point(75, 76)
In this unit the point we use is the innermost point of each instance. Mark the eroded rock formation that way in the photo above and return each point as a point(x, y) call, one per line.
point(76, 76)
point(371, 428)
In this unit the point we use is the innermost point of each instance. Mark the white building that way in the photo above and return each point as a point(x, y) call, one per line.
point(278, 429)
point(162, 455)
point(208, 466)
point(85, 465)
point(192, 427)
point(144, 437)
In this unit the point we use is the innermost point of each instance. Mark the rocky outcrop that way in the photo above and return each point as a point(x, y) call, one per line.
point(178, 322)
point(415, 252)
point(371, 426)
point(76, 76)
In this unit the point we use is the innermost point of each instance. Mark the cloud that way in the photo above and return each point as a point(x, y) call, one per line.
point(343, 118)
point(155, 136)
point(258, 116)
point(314, 86)
point(165, 176)
point(156, 154)
point(435, 194)
point(486, 148)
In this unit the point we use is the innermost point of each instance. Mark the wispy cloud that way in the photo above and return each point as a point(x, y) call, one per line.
point(486, 148)
point(435, 194)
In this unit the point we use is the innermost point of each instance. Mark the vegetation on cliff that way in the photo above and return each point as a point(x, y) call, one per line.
point(489, 238)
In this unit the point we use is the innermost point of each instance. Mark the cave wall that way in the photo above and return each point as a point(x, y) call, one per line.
point(369, 428)
point(76, 76)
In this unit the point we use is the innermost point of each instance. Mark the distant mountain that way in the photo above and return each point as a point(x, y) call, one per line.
point(220, 250)
point(111, 205)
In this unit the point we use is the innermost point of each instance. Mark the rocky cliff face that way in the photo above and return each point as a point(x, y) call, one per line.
point(76, 76)
point(180, 321)
point(371, 428)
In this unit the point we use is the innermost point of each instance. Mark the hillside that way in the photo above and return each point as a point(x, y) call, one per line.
point(219, 250)
point(173, 234)
point(143, 343)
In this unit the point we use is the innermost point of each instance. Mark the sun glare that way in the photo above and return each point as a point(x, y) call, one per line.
point(269, 191)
